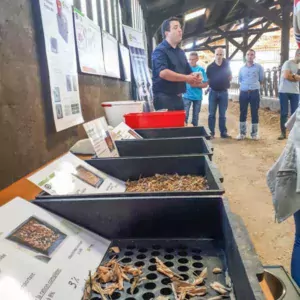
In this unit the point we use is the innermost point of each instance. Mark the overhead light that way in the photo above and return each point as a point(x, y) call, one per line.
point(199, 42)
point(194, 14)
point(188, 46)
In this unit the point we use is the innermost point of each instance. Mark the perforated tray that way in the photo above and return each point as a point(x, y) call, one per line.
point(184, 257)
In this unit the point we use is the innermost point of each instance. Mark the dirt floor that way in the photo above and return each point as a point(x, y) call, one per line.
point(244, 165)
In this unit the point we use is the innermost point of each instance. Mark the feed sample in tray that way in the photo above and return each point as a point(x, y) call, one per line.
point(38, 236)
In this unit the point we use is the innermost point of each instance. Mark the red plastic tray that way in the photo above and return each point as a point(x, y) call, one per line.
point(155, 119)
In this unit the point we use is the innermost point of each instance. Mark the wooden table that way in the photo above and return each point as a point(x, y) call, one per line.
point(24, 188)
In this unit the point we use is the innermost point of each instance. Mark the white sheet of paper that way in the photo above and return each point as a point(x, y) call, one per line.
point(125, 56)
point(89, 45)
point(55, 266)
point(100, 136)
point(70, 175)
point(111, 55)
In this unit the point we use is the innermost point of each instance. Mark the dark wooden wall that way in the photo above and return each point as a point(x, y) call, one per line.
point(27, 135)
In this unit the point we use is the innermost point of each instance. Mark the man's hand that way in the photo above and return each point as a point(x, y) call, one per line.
point(193, 79)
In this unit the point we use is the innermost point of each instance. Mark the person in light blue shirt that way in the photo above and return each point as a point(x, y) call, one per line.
point(251, 76)
point(194, 93)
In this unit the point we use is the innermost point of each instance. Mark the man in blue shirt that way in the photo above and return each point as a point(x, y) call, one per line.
point(170, 69)
point(251, 76)
point(219, 77)
point(194, 92)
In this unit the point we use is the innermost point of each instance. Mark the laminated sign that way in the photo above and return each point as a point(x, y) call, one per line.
point(43, 256)
point(70, 175)
point(100, 136)
point(124, 132)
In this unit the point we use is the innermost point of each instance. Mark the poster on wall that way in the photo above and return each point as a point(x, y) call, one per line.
point(111, 55)
point(57, 20)
point(125, 58)
point(140, 65)
point(89, 45)
point(44, 256)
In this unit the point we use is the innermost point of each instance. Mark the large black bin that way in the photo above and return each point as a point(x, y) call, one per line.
point(167, 146)
point(187, 233)
point(158, 133)
point(132, 168)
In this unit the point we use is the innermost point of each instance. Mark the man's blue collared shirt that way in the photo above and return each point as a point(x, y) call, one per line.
point(251, 77)
point(174, 59)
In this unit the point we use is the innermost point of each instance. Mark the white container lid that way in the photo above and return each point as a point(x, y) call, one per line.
point(117, 103)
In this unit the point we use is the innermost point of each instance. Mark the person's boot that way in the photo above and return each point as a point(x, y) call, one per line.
point(283, 120)
point(243, 131)
point(254, 132)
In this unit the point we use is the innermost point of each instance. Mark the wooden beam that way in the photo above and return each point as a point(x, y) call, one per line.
point(229, 38)
point(215, 12)
point(232, 34)
point(263, 30)
point(234, 53)
point(204, 48)
point(264, 12)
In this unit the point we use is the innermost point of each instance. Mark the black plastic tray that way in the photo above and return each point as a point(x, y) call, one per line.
point(158, 133)
point(174, 226)
point(132, 168)
point(166, 146)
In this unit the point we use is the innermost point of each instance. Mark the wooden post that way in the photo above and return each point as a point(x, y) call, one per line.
point(285, 33)
point(227, 48)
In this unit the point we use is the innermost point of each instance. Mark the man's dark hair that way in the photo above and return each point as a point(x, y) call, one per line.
point(251, 50)
point(166, 25)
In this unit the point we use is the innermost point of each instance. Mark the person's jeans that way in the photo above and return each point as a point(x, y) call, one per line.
point(196, 110)
point(252, 98)
point(166, 101)
point(296, 252)
point(216, 99)
point(284, 99)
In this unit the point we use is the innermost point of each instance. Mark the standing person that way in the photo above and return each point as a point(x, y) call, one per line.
point(284, 182)
point(193, 93)
point(288, 90)
point(171, 69)
point(219, 77)
point(251, 76)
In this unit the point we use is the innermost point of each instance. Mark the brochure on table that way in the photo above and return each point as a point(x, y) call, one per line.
point(43, 256)
point(111, 55)
point(58, 29)
point(125, 58)
point(70, 175)
point(101, 139)
point(89, 44)
point(124, 132)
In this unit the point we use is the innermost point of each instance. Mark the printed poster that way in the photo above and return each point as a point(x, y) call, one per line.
point(89, 44)
point(43, 256)
point(70, 175)
point(111, 55)
point(101, 139)
point(140, 66)
point(124, 132)
point(125, 57)
point(57, 20)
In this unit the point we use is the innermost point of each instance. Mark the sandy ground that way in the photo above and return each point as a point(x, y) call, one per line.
point(244, 165)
